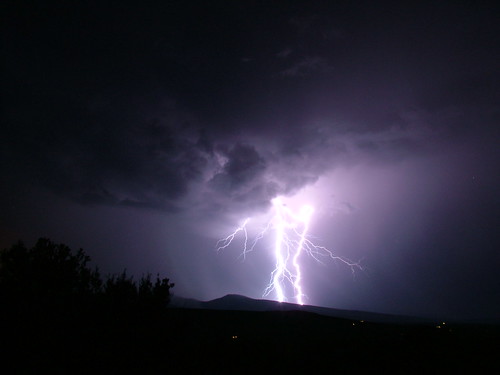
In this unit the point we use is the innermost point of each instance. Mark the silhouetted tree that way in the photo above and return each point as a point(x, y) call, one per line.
point(47, 270)
point(124, 293)
point(121, 288)
point(161, 289)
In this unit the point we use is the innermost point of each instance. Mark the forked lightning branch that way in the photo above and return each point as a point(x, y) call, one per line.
point(291, 241)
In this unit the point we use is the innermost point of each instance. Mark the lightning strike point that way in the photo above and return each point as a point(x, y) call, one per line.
point(291, 241)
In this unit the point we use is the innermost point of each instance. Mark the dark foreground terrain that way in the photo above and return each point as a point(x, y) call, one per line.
point(58, 316)
point(208, 341)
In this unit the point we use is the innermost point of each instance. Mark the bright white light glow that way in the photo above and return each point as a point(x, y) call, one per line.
point(291, 240)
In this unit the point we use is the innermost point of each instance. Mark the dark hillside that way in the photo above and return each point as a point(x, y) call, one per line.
point(298, 342)
point(211, 341)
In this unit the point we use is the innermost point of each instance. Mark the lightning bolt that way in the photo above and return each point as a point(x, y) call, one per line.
point(291, 240)
point(225, 242)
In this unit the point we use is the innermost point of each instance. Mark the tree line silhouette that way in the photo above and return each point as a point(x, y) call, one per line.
point(50, 274)
point(59, 314)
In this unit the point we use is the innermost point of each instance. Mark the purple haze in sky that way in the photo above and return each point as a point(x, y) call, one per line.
point(143, 134)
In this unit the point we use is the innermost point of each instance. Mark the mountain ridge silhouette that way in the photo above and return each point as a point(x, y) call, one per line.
point(238, 302)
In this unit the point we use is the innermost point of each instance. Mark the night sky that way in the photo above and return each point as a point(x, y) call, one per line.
point(143, 134)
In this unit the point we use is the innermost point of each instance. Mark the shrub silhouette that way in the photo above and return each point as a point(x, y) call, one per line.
point(122, 292)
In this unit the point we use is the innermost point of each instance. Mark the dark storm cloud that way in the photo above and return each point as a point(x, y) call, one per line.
point(245, 177)
point(307, 66)
point(243, 166)
point(85, 119)
point(240, 180)
point(153, 156)
point(110, 156)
